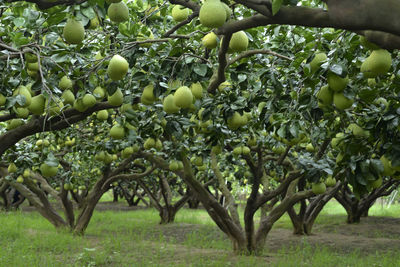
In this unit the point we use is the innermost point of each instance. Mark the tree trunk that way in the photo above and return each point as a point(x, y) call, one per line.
point(115, 195)
point(167, 214)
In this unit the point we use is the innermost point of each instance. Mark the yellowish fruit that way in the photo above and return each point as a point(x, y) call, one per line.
point(24, 92)
point(117, 132)
point(99, 92)
point(357, 130)
point(239, 42)
point(68, 97)
point(197, 90)
point(183, 97)
point(378, 63)
point(210, 40)
point(212, 14)
point(102, 115)
point(12, 168)
point(37, 105)
point(116, 99)
point(179, 13)
point(3, 99)
point(341, 101)
point(20, 179)
point(318, 188)
point(118, 12)
point(387, 166)
point(65, 83)
point(317, 61)
point(79, 106)
point(47, 170)
point(148, 97)
point(89, 100)
point(73, 32)
point(169, 105)
point(117, 68)
point(325, 95)
point(149, 143)
point(337, 83)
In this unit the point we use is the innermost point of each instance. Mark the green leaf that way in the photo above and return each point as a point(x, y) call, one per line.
point(276, 6)
point(19, 22)
point(201, 69)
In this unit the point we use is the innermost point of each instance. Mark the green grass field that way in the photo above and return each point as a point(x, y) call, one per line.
point(134, 238)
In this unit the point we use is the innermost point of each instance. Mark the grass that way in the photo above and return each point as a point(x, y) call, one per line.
point(134, 238)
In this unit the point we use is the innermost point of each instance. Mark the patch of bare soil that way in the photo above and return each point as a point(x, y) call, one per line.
point(372, 234)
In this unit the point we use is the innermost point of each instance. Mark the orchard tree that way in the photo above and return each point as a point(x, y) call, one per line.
point(276, 94)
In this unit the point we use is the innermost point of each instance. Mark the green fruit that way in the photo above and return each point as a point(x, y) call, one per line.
point(79, 106)
point(342, 102)
point(330, 181)
point(310, 147)
point(21, 112)
point(180, 13)
point(94, 23)
point(158, 145)
point(26, 173)
point(23, 91)
point(65, 83)
point(169, 105)
point(378, 63)
point(318, 188)
point(317, 61)
point(325, 95)
point(357, 130)
point(387, 166)
point(228, 10)
point(116, 99)
point(117, 68)
point(236, 121)
point(337, 83)
point(127, 152)
point(89, 100)
point(33, 66)
point(212, 14)
point(183, 97)
point(197, 90)
point(148, 97)
point(12, 168)
point(73, 32)
point(118, 12)
point(30, 58)
point(173, 165)
point(245, 150)
point(48, 171)
point(239, 42)
point(126, 107)
point(37, 105)
point(102, 115)
point(336, 140)
point(210, 40)
point(237, 150)
point(3, 99)
point(117, 132)
point(149, 143)
point(55, 107)
point(14, 123)
point(68, 97)
point(371, 82)
point(20, 179)
point(278, 149)
point(99, 92)
point(198, 161)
